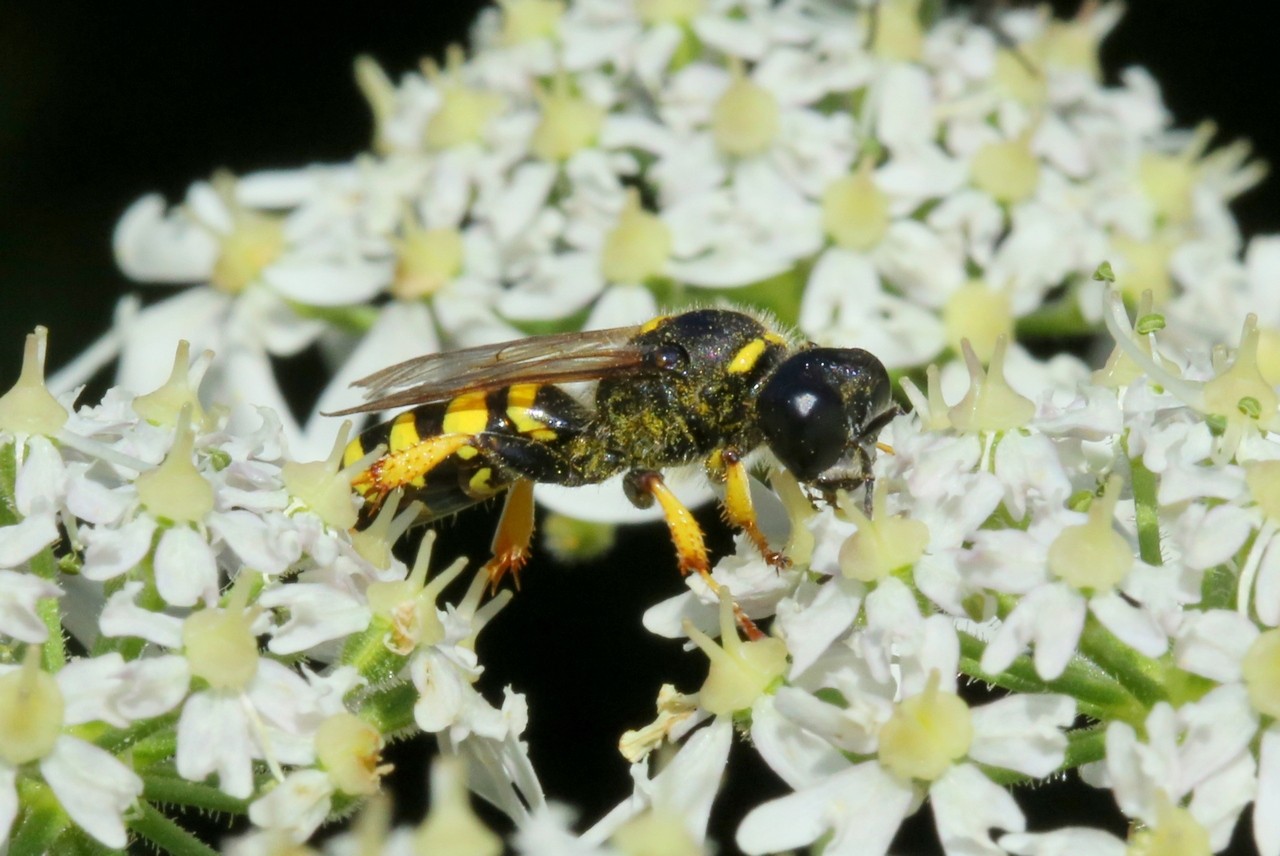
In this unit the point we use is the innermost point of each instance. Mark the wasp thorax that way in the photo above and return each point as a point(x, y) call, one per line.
point(820, 412)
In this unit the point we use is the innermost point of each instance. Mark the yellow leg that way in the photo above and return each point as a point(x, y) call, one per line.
point(738, 510)
point(406, 466)
point(515, 531)
point(686, 535)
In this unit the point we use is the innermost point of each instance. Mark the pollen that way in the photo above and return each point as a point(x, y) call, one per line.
point(740, 671)
point(175, 490)
point(855, 212)
point(31, 711)
point(569, 123)
point(744, 122)
point(28, 407)
point(926, 734)
point(638, 247)
point(1093, 557)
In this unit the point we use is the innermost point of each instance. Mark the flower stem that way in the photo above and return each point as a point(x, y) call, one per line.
point(1140, 675)
point(168, 788)
point(1146, 509)
point(1097, 694)
point(165, 835)
point(42, 819)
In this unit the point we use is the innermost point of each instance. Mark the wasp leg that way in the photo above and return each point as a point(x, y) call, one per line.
point(645, 486)
point(515, 531)
point(739, 511)
point(407, 466)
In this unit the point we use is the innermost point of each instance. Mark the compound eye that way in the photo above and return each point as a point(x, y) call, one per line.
point(804, 423)
point(667, 357)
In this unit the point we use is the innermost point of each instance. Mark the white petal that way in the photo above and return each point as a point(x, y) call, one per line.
point(1213, 643)
point(186, 570)
point(813, 617)
point(296, 806)
point(687, 786)
point(799, 757)
point(121, 616)
point(1132, 625)
point(93, 787)
point(1266, 807)
point(863, 806)
point(213, 736)
point(151, 247)
point(8, 800)
point(146, 355)
point(42, 481)
point(1070, 841)
point(24, 539)
point(1023, 732)
point(328, 283)
point(19, 594)
point(967, 806)
point(111, 552)
point(88, 685)
point(1052, 617)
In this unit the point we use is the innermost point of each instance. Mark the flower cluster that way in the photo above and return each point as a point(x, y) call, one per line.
point(868, 176)
point(233, 645)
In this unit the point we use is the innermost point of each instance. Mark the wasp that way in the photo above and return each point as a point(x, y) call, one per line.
point(706, 385)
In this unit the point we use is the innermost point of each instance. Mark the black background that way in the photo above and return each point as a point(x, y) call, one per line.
point(101, 103)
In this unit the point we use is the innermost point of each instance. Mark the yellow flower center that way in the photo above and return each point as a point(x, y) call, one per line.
point(926, 734)
point(254, 242)
point(989, 404)
point(897, 30)
point(569, 122)
point(1093, 556)
point(882, 544)
point(979, 313)
point(175, 490)
point(744, 122)
point(31, 710)
point(654, 12)
point(426, 261)
point(322, 486)
point(855, 213)
point(638, 247)
point(349, 749)
point(1008, 170)
point(530, 20)
point(740, 671)
point(464, 110)
point(28, 407)
point(163, 406)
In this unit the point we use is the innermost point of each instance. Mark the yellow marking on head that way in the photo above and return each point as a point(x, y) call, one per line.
point(776, 339)
point(653, 324)
point(746, 358)
point(404, 432)
point(519, 401)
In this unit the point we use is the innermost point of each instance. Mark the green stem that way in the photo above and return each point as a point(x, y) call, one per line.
point(390, 710)
point(42, 819)
point(165, 834)
point(1146, 509)
point(369, 655)
point(1097, 694)
point(1137, 673)
point(1055, 320)
point(174, 790)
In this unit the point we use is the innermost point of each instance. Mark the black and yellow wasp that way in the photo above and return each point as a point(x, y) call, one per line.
point(705, 385)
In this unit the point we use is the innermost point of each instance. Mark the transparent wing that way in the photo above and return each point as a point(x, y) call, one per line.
point(557, 358)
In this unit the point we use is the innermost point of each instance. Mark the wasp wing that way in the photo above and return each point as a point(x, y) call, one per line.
point(555, 358)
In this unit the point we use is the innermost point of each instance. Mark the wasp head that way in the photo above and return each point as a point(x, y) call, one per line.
point(821, 411)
